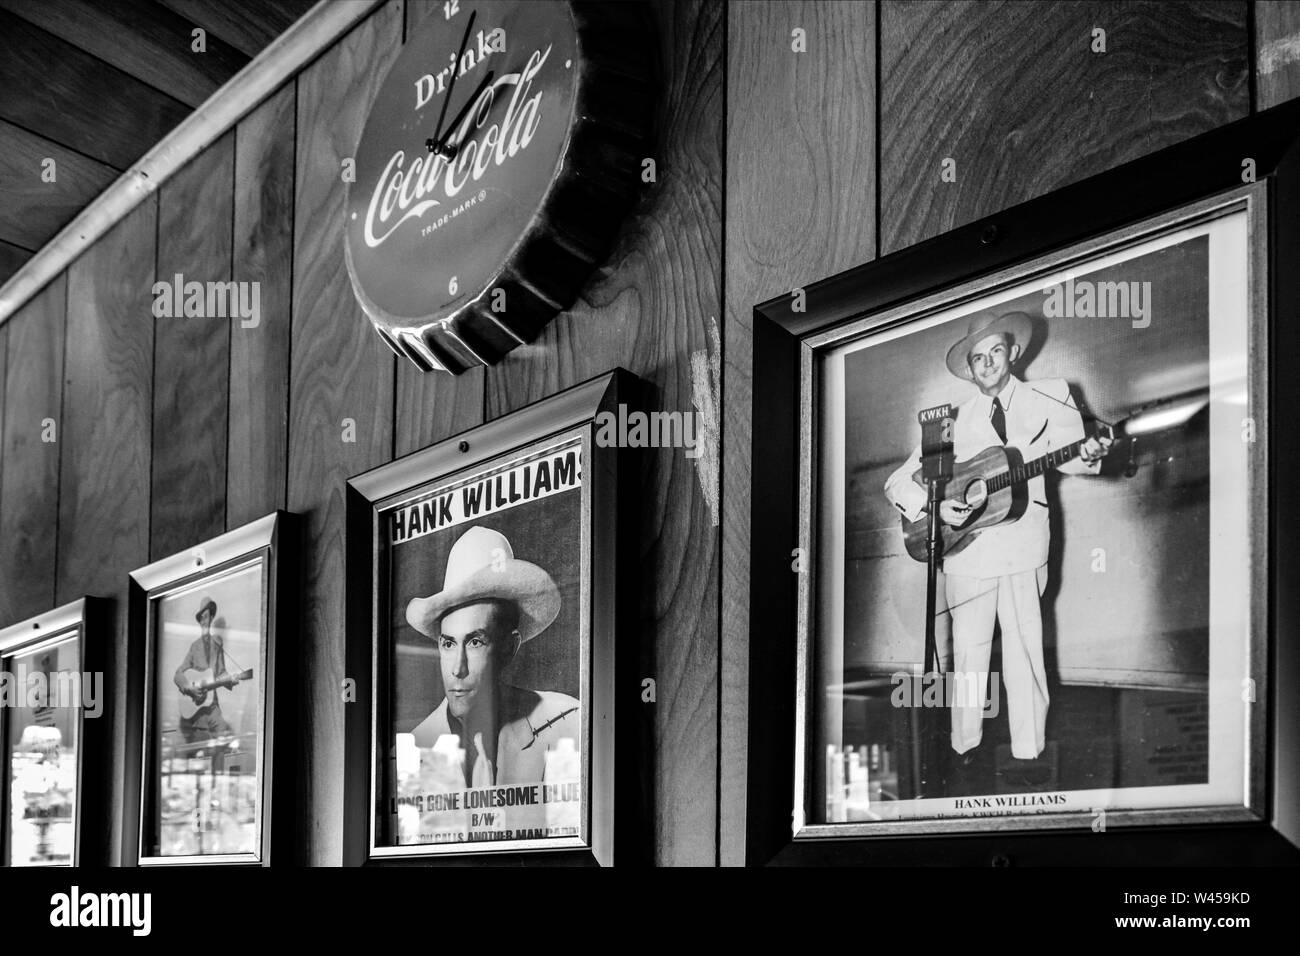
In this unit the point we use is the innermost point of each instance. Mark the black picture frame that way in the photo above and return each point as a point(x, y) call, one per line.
point(612, 807)
point(272, 543)
point(1208, 165)
point(87, 621)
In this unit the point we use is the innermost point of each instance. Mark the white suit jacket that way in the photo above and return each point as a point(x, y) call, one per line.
point(1041, 416)
point(537, 721)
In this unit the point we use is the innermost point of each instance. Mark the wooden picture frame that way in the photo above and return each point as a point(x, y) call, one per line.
point(577, 681)
point(1250, 168)
point(80, 631)
point(203, 765)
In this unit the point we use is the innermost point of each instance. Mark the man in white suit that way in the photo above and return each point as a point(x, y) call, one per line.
point(1001, 574)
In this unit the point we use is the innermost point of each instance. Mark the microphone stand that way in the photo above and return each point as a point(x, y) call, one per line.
point(933, 552)
point(936, 470)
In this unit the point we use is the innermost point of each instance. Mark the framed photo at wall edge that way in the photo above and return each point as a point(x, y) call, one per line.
point(1033, 509)
point(483, 610)
point(52, 692)
point(207, 627)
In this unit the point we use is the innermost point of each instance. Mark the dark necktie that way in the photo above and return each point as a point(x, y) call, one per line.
point(999, 420)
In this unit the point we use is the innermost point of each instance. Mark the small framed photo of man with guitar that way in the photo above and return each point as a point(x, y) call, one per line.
point(1033, 497)
point(204, 643)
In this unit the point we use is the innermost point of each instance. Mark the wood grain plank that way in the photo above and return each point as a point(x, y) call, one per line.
point(104, 499)
point(801, 205)
point(142, 39)
point(339, 371)
point(104, 461)
point(651, 309)
point(64, 94)
point(11, 259)
point(1277, 51)
point(31, 209)
point(259, 356)
point(1014, 94)
point(432, 406)
point(192, 355)
point(247, 25)
point(29, 465)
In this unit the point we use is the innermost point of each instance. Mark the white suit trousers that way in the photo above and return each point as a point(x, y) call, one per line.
point(1013, 601)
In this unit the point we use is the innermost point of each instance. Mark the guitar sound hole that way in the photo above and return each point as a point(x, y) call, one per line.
point(977, 493)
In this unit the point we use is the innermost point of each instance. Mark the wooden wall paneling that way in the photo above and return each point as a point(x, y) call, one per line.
point(103, 528)
point(11, 259)
point(654, 308)
point(259, 355)
point(140, 38)
point(432, 406)
point(29, 465)
point(192, 355)
point(64, 94)
point(1277, 51)
point(339, 371)
point(1013, 92)
point(801, 205)
point(32, 210)
point(247, 25)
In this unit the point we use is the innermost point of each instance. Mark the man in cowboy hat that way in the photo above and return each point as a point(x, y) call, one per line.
point(207, 653)
point(490, 604)
point(1000, 576)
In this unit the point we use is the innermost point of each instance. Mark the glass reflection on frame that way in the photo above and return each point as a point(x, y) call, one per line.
point(1113, 681)
point(46, 695)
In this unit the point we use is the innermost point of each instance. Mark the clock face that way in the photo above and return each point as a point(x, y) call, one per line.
point(429, 234)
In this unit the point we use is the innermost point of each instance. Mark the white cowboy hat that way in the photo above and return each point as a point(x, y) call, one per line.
point(482, 567)
point(1016, 324)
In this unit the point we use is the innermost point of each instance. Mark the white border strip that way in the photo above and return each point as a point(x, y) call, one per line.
point(286, 55)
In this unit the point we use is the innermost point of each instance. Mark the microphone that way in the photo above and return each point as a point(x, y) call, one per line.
point(936, 442)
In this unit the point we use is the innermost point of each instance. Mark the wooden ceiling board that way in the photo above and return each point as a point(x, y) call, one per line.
point(247, 25)
point(38, 198)
point(58, 91)
point(141, 38)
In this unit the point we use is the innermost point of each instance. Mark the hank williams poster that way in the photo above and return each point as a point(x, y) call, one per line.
point(485, 659)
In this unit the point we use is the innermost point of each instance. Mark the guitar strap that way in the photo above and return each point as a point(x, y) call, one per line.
point(1070, 405)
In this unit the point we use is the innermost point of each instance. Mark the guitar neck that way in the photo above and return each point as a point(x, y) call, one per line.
point(1018, 474)
point(217, 683)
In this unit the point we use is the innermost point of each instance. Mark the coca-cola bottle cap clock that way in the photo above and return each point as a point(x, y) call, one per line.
point(502, 152)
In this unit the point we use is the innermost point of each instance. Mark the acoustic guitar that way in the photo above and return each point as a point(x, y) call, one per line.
point(207, 682)
point(993, 483)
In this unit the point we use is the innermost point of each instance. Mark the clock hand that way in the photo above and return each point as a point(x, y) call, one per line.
point(455, 71)
point(441, 146)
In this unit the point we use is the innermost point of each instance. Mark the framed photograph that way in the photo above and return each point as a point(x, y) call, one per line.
point(207, 626)
point(484, 613)
point(1032, 517)
point(52, 691)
